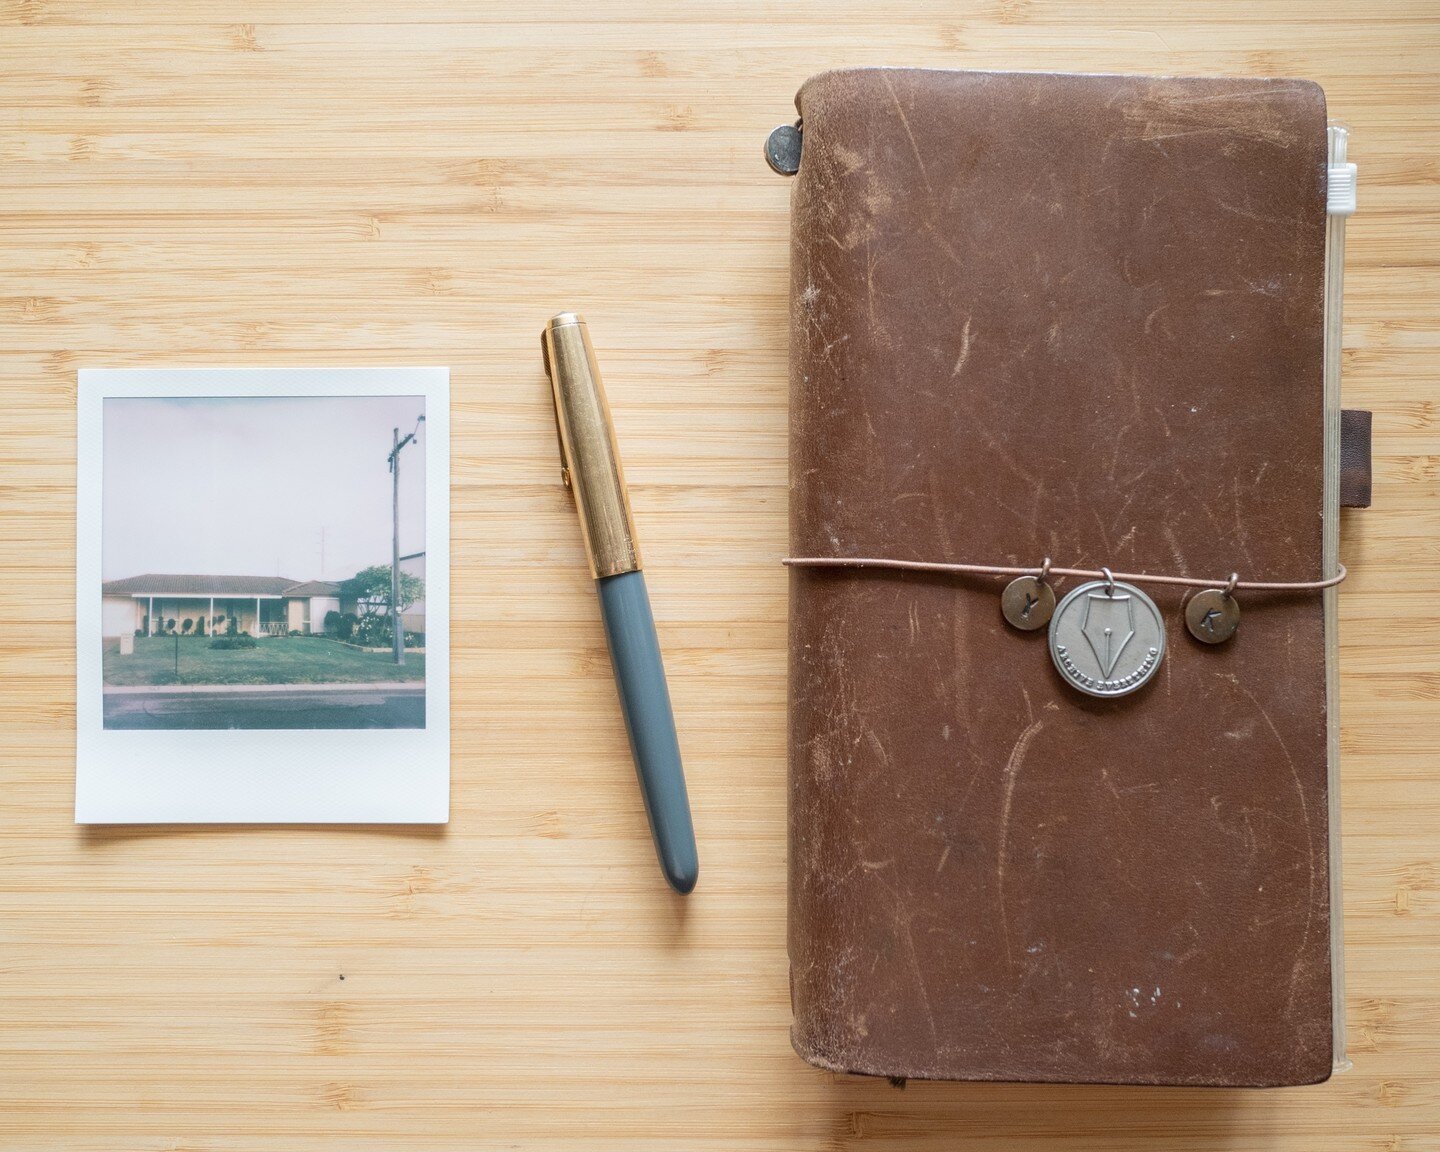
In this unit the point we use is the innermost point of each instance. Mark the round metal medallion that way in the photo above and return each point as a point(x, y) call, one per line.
point(1212, 615)
point(782, 149)
point(1107, 639)
point(1027, 603)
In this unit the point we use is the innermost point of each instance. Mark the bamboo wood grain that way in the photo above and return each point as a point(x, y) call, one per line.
point(348, 181)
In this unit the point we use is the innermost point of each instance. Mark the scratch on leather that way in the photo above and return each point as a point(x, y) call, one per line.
point(964, 350)
point(1011, 775)
point(914, 146)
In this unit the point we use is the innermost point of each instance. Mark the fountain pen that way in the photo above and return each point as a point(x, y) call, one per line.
point(590, 469)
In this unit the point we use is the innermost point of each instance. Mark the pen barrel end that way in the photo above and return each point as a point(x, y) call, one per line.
point(650, 723)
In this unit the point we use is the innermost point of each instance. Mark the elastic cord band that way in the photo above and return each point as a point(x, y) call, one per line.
point(1230, 582)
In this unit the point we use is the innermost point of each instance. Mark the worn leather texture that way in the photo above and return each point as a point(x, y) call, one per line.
point(1354, 458)
point(1074, 316)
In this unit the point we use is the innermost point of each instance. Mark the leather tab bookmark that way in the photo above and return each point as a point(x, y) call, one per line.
point(1354, 458)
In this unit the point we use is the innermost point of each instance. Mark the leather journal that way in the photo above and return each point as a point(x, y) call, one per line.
point(1078, 317)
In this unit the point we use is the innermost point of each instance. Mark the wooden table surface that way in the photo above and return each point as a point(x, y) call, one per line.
point(319, 182)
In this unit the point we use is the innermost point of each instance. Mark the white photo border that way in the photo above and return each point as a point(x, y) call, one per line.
point(261, 776)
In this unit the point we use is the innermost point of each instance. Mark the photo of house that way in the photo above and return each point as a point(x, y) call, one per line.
point(257, 554)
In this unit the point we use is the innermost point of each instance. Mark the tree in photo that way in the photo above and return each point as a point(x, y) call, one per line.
point(370, 589)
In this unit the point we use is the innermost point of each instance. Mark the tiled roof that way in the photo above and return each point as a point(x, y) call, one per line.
point(160, 584)
point(313, 588)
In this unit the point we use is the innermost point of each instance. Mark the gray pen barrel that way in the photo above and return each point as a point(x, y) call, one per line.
point(645, 701)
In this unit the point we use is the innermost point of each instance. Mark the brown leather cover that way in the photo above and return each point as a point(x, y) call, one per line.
point(1075, 316)
point(1354, 458)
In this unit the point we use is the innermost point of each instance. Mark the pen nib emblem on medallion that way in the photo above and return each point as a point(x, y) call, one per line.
point(1107, 638)
point(1109, 627)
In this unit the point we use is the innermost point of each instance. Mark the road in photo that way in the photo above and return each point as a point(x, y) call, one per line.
point(336, 706)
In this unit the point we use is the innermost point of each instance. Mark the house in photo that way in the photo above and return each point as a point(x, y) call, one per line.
point(259, 605)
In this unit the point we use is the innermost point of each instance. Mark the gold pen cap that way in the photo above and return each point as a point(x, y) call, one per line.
point(589, 463)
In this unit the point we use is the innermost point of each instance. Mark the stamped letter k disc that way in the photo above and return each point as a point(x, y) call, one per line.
point(1107, 639)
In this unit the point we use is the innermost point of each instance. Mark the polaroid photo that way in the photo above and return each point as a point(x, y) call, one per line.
point(262, 596)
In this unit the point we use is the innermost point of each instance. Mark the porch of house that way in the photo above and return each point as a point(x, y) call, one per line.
point(255, 615)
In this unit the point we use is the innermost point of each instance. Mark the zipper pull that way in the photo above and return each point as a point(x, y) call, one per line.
point(783, 146)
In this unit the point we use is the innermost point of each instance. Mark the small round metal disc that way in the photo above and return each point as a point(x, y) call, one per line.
point(1212, 616)
point(1107, 640)
point(782, 149)
point(1028, 603)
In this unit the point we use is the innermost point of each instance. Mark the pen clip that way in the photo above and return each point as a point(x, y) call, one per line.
point(555, 404)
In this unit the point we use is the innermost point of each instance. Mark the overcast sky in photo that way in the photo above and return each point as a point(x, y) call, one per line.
point(258, 486)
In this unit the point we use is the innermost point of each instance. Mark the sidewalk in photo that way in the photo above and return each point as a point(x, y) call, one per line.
point(181, 689)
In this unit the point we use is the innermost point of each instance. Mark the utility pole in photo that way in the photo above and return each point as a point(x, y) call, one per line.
point(397, 627)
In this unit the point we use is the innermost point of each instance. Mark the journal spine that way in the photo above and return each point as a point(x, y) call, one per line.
point(1340, 203)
